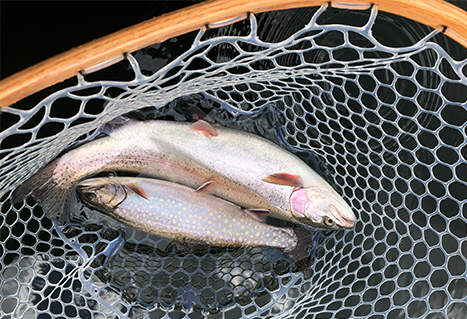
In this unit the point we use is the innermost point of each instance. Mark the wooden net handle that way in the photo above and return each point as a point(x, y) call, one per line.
point(433, 13)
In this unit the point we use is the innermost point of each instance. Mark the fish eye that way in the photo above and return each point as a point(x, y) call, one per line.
point(328, 221)
point(91, 196)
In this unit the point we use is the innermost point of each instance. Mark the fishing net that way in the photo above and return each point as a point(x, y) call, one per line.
point(374, 102)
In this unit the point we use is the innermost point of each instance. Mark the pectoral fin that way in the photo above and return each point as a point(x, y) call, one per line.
point(207, 129)
point(205, 187)
point(137, 190)
point(258, 214)
point(284, 179)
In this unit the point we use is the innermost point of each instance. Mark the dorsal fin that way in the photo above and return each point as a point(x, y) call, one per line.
point(207, 129)
point(115, 124)
point(284, 179)
point(138, 190)
point(196, 114)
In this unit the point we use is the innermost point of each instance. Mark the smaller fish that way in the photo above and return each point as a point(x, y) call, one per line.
point(183, 214)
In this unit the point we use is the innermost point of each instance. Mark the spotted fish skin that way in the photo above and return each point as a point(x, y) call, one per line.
point(238, 164)
point(135, 147)
point(177, 212)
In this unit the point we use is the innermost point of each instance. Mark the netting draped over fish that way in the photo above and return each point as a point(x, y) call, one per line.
point(382, 118)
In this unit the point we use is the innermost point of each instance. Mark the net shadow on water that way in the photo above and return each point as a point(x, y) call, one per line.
point(381, 117)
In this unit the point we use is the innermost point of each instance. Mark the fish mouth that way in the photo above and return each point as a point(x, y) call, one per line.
point(346, 223)
point(344, 219)
point(342, 223)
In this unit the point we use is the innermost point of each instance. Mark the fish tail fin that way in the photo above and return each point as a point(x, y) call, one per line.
point(302, 254)
point(114, 246)
point(51, 197)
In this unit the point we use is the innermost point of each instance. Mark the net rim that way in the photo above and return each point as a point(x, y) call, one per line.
point(110, 49)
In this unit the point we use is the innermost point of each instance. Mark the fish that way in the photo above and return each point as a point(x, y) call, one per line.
point(240, 167)
point(185, 215)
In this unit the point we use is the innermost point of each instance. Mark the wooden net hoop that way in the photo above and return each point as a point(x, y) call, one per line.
point(110, 49)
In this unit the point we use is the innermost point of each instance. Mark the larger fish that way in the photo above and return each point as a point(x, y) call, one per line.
point(243, 168)
point(177, 212)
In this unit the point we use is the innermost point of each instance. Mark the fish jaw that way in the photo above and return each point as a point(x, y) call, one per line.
point(320, 208)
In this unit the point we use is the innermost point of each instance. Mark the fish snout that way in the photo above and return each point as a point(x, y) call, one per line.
point(344, 218)
point(346, 223)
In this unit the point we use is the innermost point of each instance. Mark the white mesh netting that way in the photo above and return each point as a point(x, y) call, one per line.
point(383, 118)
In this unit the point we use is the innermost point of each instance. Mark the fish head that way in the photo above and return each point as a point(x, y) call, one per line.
point(102, 193)
point(321, 208)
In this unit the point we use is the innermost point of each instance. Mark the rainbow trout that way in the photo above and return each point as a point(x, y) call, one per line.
point(242, 168)
point(183, 214)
